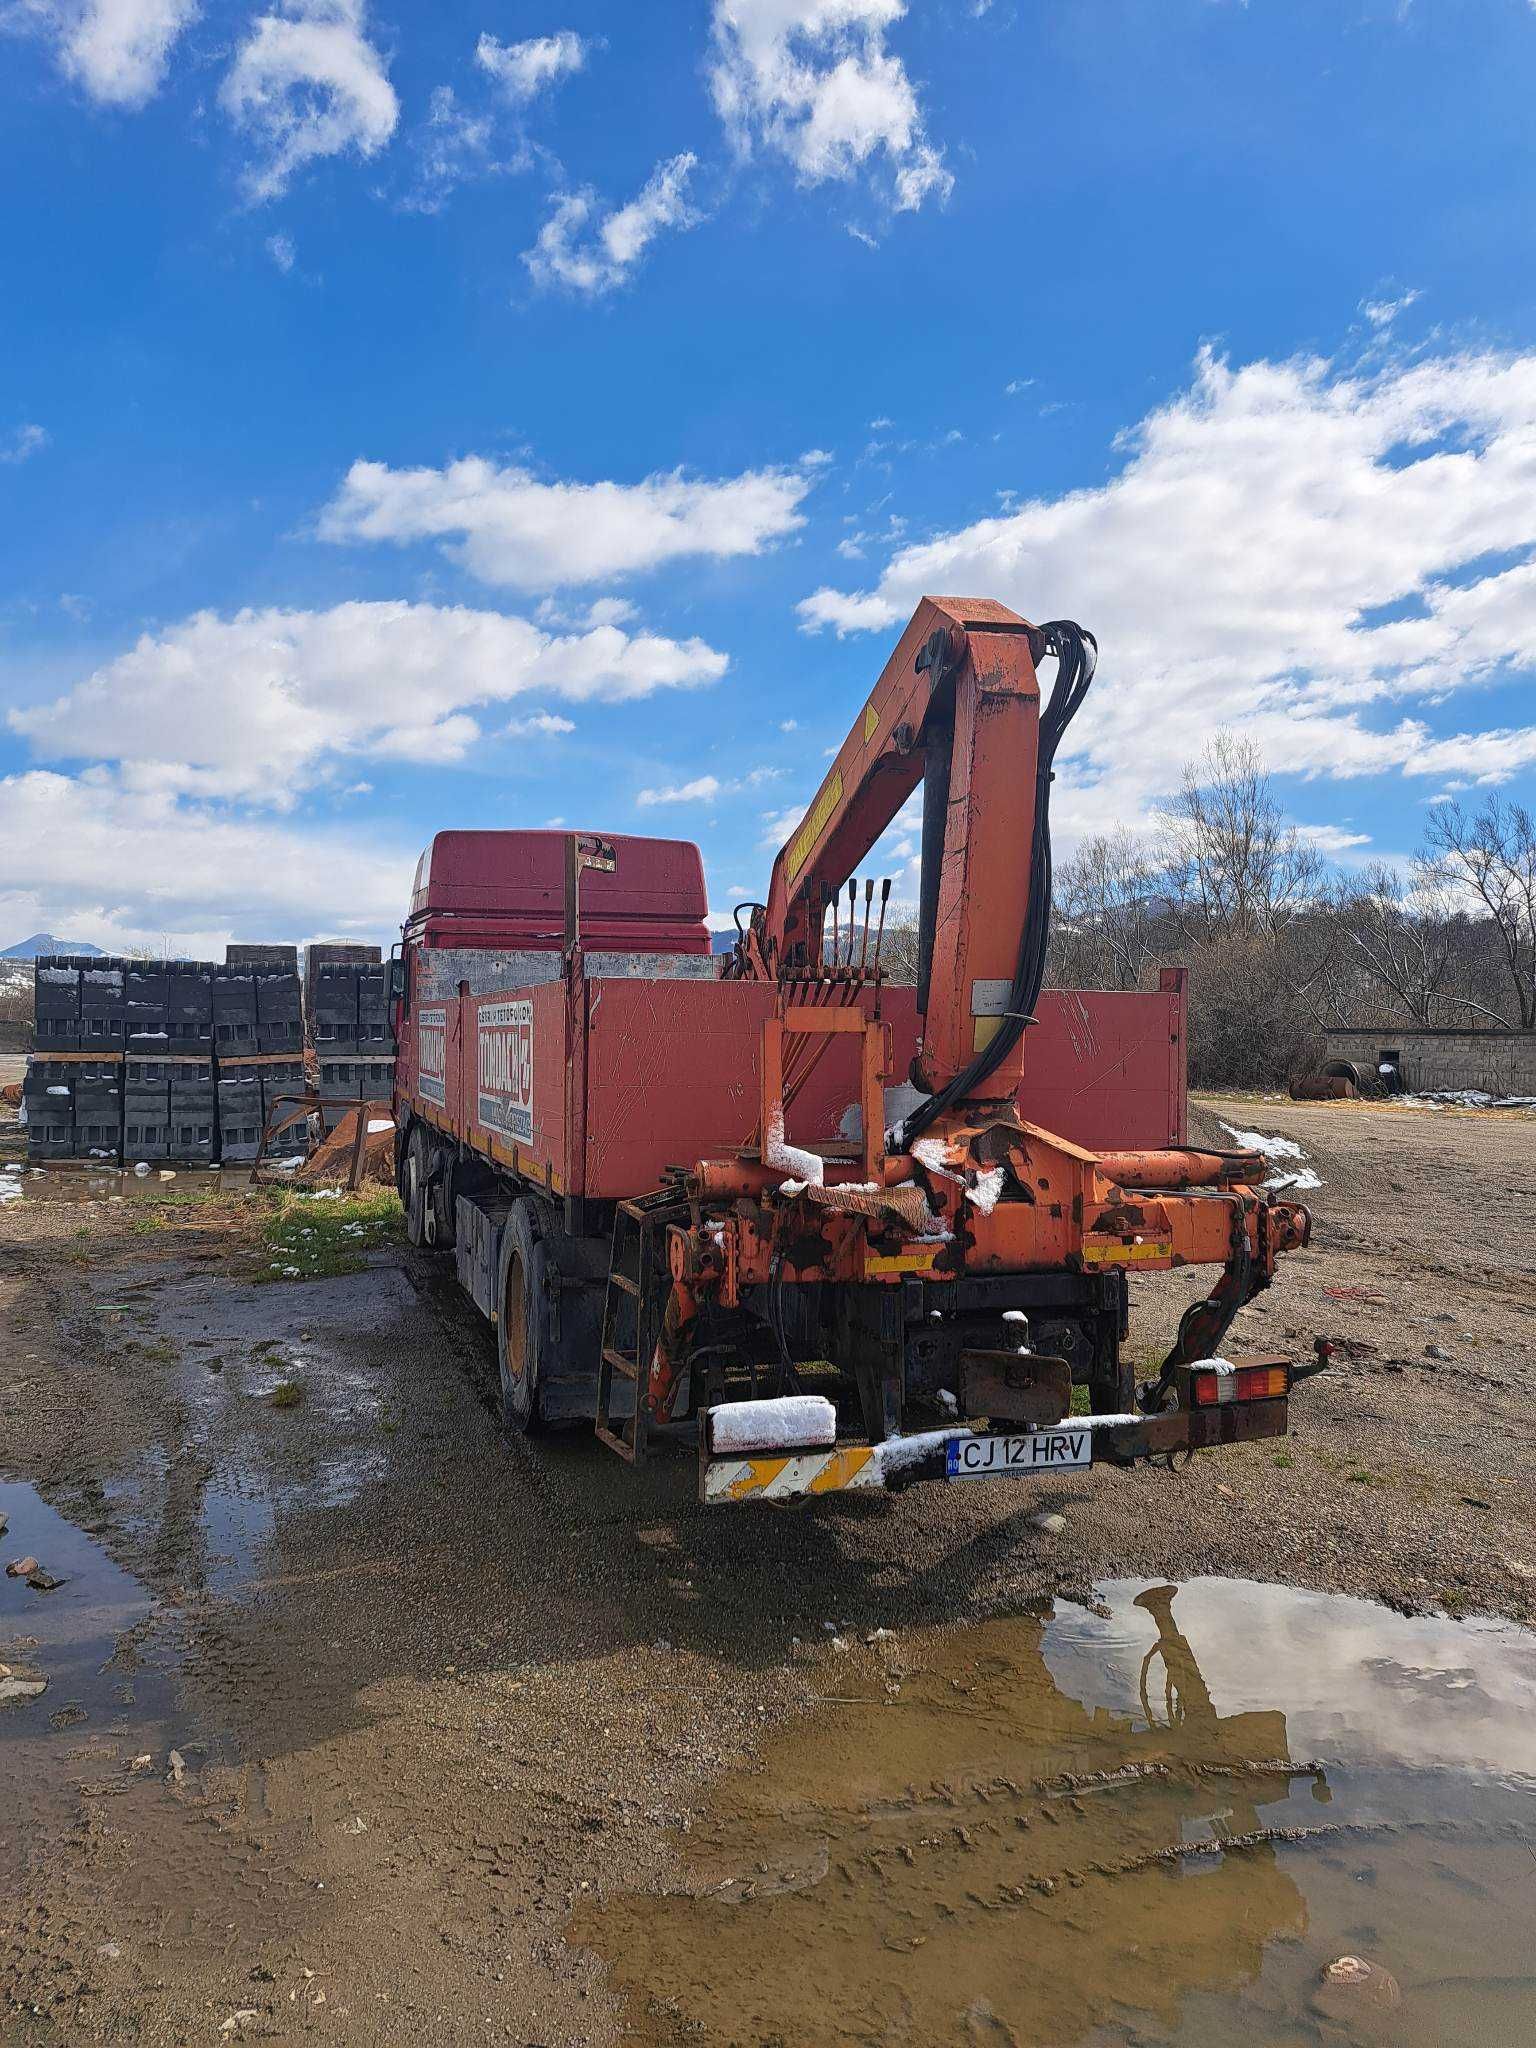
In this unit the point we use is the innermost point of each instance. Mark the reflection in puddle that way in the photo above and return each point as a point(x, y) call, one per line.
point(76, 1184)
point(1163, 1826)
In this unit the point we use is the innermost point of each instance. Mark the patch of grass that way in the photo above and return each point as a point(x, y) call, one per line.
point(1284, 1460)
point(146, 1223)
point(161, 1349)
point(1360, 1477)
point(1082, 1402)
point(311, 1239)
point(287, 1394)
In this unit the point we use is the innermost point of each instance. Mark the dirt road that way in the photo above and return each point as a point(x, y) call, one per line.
point(359, 1717)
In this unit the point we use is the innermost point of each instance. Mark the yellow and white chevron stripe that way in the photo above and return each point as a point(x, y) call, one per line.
point(785, 1478)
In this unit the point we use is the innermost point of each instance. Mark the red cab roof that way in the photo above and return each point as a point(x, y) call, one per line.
point(508, 889)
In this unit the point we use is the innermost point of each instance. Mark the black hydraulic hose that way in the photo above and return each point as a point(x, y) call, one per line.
point(1077, 654)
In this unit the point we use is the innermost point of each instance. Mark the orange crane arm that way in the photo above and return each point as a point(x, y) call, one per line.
point(957, 707)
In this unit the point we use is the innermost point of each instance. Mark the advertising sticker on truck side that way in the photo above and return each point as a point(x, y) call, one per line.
point(506, 1068)
point(432, 1056)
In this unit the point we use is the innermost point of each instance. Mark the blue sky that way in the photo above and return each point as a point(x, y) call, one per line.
point(414, 416)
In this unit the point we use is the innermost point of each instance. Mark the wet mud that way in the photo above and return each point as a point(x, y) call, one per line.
point(1161, 1821)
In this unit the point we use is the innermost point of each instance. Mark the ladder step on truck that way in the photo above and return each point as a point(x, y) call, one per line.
point(637, 1287)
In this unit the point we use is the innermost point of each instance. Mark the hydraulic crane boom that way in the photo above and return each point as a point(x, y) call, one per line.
point(957, 708)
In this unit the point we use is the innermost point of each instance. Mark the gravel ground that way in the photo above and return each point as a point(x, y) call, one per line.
point(353, 1704)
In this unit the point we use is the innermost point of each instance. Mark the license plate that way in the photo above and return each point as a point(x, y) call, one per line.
point(996, 1457)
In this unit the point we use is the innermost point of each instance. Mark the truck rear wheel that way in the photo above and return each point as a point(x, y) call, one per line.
point(522, 1319)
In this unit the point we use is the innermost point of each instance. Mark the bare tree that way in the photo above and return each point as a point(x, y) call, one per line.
point(1111, 914)
point(1240, 867)
point(1491, 855)
point(898, 949)
point(1400, 937)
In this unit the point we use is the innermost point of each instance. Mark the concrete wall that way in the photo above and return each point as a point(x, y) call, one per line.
point(1498, 1062)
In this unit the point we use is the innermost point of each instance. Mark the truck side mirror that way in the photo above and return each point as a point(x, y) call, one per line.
point(397, 979)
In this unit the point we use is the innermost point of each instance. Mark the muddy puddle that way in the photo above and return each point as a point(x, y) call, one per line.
point(1162, 1822)
point(77, 1184)
point(93, 1639)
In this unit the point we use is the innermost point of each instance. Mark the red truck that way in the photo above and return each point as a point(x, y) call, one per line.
point(592, 1112)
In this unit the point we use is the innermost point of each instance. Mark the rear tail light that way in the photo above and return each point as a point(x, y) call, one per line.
point(1241, 1383)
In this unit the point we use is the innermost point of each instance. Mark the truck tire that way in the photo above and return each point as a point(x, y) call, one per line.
point(522, 1319)
point(403, 1132)
point(413, 1191)
point(442, 1173)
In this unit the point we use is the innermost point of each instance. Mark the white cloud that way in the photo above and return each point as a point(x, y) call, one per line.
point(1383, 311)
point(524, 70)
point(1017, 384)
point(1332, 839)
point(25, 441)
point(261, 706)
point(777, 825)
point(62, 841)
point(280, 248)
point(603, 611)
point(116, 51)
point(789, 725)
point(703, 789)
point(510, 528)
point(593, 252)
point(453, 145)
point(1236, 568)
point(307, 83)
point(813, 81)
point(537, 725)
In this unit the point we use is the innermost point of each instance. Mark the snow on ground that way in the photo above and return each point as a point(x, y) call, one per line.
point(1297, 1178)
point(1464, 1098)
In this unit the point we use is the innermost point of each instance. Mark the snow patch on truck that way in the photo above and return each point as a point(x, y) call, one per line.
point(806, 1167)
point(792, 1422)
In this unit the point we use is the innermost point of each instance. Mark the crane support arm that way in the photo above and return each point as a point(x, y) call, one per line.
point(957, 708)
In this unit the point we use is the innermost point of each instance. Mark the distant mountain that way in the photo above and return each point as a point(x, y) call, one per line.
point(45, 942)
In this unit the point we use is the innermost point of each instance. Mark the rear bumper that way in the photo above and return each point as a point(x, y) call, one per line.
point(905, 1461)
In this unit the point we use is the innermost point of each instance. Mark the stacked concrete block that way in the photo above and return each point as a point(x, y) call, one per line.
point(349, 1019)
point(282, 1083)
point(333, 1010)
point(145, 992)
point(285, 958)
point(99, 1109)
point(279, 1010)
point(48, 1101)
point(194, 1111)
point(338, 1090)
point(56, 982)
point(189, 1008)
point(240, 1111)
point(146, 1107)
point(375, 1039)
point(185, 1059)
point(233, 995)
point(103, 998)
point(333, 953)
